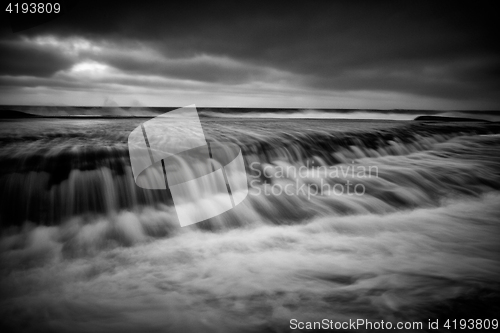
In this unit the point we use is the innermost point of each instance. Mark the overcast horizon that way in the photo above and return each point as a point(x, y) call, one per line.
point(356, 55)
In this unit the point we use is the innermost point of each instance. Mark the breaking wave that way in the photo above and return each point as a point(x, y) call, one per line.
point(84, 249)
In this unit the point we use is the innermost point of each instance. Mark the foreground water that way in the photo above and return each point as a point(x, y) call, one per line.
point(83, 249)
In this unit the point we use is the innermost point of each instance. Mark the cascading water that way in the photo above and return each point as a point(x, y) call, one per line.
point(375, 220)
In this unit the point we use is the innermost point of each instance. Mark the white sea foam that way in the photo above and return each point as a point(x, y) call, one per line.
point(421, 239)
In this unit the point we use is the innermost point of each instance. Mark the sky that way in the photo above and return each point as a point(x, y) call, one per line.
point(440, 55)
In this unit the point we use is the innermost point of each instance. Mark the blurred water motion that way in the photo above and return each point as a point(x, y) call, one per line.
point(84, 249)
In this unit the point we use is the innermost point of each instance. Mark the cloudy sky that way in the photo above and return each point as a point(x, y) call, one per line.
point(389, 55)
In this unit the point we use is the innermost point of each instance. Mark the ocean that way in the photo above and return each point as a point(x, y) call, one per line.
point(345, 219)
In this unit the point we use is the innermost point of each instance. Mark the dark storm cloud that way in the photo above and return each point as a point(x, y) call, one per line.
point(198, 68)
point(459, 79)
point(444, 49)
point(17, 58)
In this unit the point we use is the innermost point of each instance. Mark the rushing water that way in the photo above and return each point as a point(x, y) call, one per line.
point(416, 238)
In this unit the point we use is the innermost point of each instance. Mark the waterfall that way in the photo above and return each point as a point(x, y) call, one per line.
point(373, 221)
